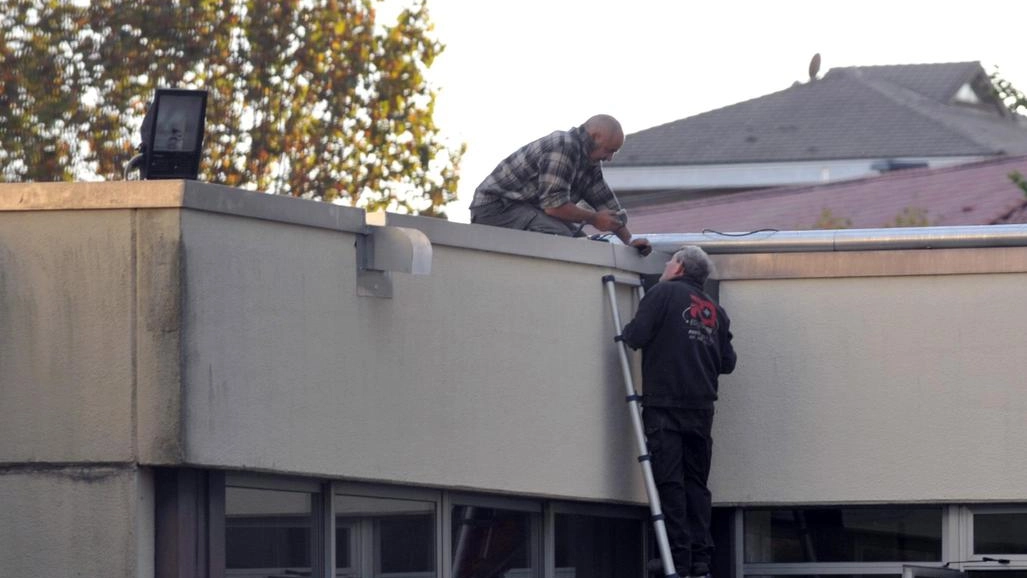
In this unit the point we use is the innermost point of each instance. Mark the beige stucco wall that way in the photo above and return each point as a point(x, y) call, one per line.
point(494, 372)
point(875, 389)
point(76, 521)
point(66, 331)
point(163, 323)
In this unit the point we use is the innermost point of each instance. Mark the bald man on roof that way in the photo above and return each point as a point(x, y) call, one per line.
point(555, 185)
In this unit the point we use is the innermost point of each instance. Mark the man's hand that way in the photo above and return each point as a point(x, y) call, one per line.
point(607, 220)
point(643, 246)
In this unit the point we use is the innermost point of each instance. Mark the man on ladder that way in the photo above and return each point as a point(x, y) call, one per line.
point(685, 339)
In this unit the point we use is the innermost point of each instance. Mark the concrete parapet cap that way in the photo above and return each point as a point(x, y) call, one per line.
point(194, 195)
point(172, 194)
point(511, 242)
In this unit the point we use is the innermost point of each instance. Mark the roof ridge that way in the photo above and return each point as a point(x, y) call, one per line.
point(907, 65)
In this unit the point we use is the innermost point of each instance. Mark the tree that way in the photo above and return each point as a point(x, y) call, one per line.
point(311, 98)
point(910, 217)
point(1008, 94)
point(828, 220)
point(1018, 180)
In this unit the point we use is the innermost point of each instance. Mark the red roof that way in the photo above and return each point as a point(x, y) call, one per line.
point(979, 193)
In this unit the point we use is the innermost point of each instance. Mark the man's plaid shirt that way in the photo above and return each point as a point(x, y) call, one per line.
point(549, 172)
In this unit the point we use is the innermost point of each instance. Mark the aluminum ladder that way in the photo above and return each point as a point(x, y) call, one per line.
point(635, 409)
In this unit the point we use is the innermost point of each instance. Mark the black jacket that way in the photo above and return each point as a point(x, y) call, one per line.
point(686, 344)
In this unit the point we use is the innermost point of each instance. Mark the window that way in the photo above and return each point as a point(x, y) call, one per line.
point(491, 542)
point(1000, 533)
point(825, 575)
point(384, 537)
point(819, 535)
point(268, 533)
point(217, 524)
point(597, 546)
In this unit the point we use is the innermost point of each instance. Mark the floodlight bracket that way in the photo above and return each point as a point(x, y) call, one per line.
point(383, 250)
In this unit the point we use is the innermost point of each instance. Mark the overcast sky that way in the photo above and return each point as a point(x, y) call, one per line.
point(515, 71)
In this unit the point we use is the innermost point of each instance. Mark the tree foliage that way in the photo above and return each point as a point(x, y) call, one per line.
point(910, 217)
point(1008, 94)
point(828, 220)
point(1019, 180)
point(311, 98)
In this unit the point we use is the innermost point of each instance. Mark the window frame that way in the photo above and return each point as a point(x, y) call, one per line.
point(320, 531)
point(624, 512)
point(366, 543)
point(968, 520)
point(191, 514)
point(894, 567)
point(534, 508)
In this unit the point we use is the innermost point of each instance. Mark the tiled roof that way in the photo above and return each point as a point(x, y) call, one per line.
point(979, 193)
point(860, 112)
point(938, 82)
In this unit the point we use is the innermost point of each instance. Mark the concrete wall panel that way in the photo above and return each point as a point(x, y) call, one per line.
point(495, 372)
point(66, 330)
point(88, 521)
point(874, 390)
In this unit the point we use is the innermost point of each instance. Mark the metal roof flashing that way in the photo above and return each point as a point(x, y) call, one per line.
point(977, 236)
point(581, 250)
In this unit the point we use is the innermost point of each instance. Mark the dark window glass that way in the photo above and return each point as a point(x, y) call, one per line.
point(407, 543)
point(598, 547)
point(999, 574)
point(402, 533)
point(343, 537)
point(267, 531)
point(826, 576)
point(491, 543)
point(1000, 534)
point(843, 535)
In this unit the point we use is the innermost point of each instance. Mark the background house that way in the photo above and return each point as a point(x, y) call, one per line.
point(854, 122)
point(975, 193)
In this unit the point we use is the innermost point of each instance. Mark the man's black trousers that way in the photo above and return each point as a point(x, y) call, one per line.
point(680, 443)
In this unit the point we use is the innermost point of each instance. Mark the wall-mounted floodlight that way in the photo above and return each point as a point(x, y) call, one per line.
point(172, 134)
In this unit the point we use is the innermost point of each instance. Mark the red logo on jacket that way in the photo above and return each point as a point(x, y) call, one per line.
point(703, 310)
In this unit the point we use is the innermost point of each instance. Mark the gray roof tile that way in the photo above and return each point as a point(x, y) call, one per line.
point(863, 112)
point(938, 81)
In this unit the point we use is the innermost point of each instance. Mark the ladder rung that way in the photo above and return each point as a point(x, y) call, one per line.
point(632, 281)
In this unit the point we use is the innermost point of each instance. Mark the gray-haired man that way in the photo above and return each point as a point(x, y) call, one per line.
point(685, 338)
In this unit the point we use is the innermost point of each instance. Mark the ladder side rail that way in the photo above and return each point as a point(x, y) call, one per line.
point(635, 410)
